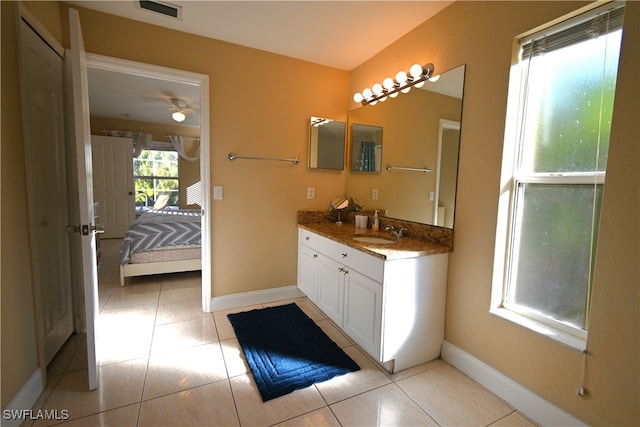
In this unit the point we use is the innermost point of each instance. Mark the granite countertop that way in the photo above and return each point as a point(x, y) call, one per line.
point(405, 247)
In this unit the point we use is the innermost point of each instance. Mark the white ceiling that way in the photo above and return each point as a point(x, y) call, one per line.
point(339, 34)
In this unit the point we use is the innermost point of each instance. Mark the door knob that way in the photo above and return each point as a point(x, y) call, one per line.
point(98, 228)
point(131, 193)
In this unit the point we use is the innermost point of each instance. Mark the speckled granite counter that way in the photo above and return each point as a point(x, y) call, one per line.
point(405, 247)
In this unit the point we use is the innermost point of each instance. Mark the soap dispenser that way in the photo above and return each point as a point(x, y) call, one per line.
point(376, 222)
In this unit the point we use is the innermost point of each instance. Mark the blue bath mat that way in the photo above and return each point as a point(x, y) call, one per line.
point(286, 350)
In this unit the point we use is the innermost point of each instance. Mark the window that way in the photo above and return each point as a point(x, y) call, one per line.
point(155, 172)
point(557, 139)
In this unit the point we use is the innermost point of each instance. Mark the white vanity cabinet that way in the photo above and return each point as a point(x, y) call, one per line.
point(393, 309)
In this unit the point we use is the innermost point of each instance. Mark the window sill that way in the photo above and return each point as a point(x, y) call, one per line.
point(564, 338)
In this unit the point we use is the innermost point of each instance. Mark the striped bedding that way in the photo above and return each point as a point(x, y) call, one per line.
point(162, 229)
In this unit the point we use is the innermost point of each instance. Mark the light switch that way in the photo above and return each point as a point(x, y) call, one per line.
point(311, 193)
point(217, 192)
point(374, 194)
point(432, 195)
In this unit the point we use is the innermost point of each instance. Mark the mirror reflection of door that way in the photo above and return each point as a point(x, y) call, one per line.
point(448, 147)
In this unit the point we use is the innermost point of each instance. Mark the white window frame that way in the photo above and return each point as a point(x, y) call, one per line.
point(156, 177)
point(564, 333)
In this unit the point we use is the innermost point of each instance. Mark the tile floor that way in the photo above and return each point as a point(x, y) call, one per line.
point(165, 363)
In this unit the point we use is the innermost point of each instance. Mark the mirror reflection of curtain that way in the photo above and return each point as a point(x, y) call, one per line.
point(367, 160)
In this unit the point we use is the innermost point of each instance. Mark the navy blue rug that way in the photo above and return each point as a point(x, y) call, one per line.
point(286, 350)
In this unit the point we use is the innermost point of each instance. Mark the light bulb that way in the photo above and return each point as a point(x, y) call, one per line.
point(419, 85)
point(357, 97)
point(377, 88)
point(367, 93)
point(388, 83)
point(416, 71)
point(393, 95)
point(384, 98)
point(373, 102)
point(406, 89)
point(434, 78)
point(178, 116)
point(401, 77)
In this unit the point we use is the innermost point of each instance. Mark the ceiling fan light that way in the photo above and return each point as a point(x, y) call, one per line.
point(178, 116)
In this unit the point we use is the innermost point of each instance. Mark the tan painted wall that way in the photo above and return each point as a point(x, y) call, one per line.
point(480, 34)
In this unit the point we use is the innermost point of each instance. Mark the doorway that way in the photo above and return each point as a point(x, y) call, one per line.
point(130, 72)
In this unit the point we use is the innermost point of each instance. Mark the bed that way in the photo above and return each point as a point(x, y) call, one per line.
point(162, 241)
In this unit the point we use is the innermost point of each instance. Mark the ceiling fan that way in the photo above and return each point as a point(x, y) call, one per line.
point(179, 107)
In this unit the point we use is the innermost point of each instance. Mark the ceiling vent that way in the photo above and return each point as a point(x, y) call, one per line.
point(163, 8)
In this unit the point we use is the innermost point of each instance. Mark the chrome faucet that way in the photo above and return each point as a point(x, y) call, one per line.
point(397, 233)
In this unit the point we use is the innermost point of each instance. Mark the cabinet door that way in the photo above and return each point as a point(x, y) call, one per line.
point(330, 288)
point(308, 272)
point(363, 311)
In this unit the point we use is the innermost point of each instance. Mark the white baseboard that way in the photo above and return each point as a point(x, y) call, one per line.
point(524, 400)
point(24, 399)
point(228, 302)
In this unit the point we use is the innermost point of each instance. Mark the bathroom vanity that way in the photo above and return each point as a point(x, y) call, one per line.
point(386, 293)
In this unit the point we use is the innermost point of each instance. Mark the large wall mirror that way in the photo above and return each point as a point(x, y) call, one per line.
point(421, 131)
point(326, 143)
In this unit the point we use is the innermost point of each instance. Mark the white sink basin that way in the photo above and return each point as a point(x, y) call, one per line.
point(372, 239)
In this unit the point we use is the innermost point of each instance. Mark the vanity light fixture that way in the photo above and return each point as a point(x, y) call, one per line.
point(390, 87)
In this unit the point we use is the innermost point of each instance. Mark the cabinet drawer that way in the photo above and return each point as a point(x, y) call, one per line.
point(352, 258)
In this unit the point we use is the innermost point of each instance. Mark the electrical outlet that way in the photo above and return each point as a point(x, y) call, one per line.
point(217, 192)
point(374, 194)
point(311, 193)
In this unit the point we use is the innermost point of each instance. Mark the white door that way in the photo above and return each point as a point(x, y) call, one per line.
point(45, 156)
point(112, 159)
point(82, 135)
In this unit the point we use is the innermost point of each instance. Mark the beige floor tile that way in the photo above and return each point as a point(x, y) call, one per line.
point(120, 298)
point(188, 333)
point(189, 293)
point(515, 419)
point(62, 359)
point(179, 311)
point(209, 405)
point(130, 296)
point(123, 318)
point(452, 399)
point(190, 279)
point(384, 406)
point(369, 376)
point(253, 412)
point(234, 358)
point(79, 361)
point(118, 345)
point(320, 417)
point(397, 376)
point(179, 370)
point(121, 417)
point(119, 384)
